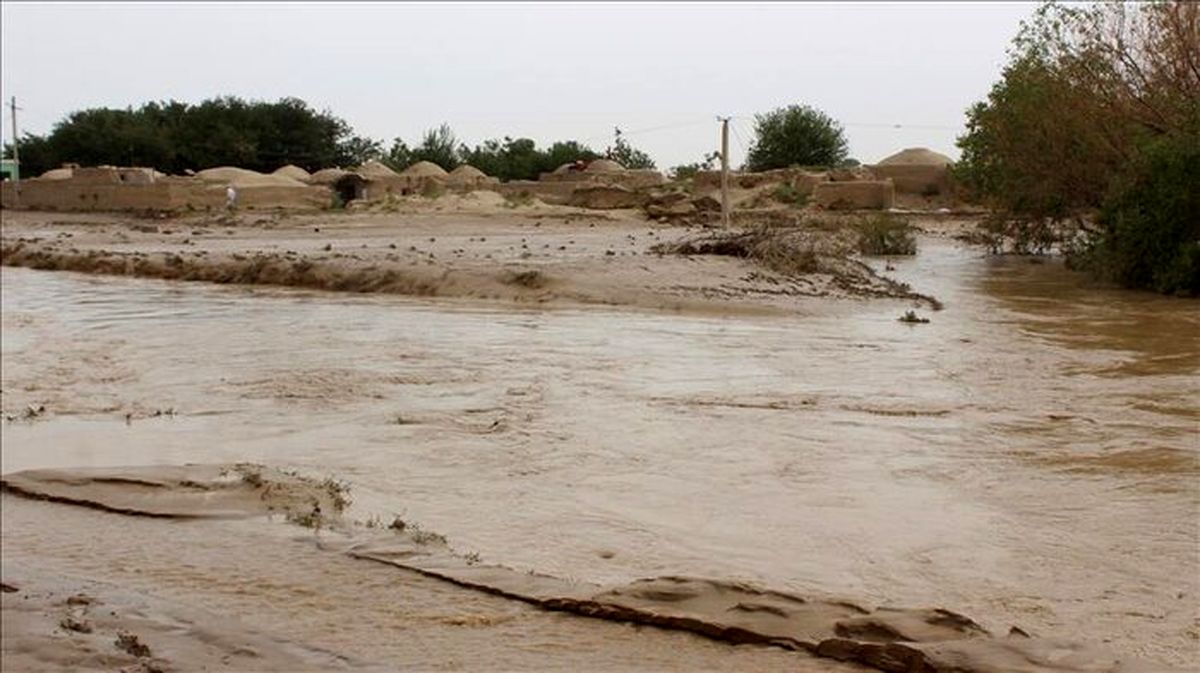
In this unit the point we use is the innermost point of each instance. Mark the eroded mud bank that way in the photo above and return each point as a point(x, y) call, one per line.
point(898, 640)
point(508, 257)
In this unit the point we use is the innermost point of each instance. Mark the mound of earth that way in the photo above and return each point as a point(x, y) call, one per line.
point(241, 177)
point(916, 156)
point(374, 169)
point(423, 169)
point(327, 176)
point(57, 174)
point(292, 171)
point(604, 166)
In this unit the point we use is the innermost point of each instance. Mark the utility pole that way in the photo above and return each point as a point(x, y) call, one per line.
point(724, 171)
point(16, 155)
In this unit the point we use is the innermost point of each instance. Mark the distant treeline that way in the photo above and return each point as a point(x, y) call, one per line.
point(507, 159)
point(175, 137)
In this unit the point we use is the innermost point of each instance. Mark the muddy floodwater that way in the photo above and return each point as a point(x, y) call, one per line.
point(1031, 456)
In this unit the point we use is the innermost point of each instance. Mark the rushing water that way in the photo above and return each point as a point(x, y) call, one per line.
point(1031, 456)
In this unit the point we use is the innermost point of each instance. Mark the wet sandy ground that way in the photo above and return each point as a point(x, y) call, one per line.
point(296, 607)
point(1030, 457)
point(545, 255)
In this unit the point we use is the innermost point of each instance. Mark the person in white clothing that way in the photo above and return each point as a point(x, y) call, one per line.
point(230, 197)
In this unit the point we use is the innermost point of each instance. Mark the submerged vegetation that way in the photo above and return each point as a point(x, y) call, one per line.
point(1091, 141)
point(886, 234)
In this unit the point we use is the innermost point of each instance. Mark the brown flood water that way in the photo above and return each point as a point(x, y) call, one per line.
point(1031, 456)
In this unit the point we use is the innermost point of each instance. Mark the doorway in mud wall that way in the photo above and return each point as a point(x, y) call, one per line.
point(350, 187)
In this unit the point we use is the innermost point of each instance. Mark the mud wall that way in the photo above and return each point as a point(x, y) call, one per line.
point(96, 191)
point(607, 197)
point(551, 192)
point(912, 179)
point(460, 184)
point(798, 177)
point(632, 179)
point(856, 195)
point(805, 183)
point(402, 185)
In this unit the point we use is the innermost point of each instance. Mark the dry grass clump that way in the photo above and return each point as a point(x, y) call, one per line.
point(419, 535)
point(774, 248)
point(529, 278)
point(821, 246)
point(338, 492)
point(518, 199)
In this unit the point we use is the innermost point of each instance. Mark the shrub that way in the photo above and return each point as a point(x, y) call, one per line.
point(1095, 120)
point(521, 198)
point(627, 155)
point(1150, 222)
point(789, 195)
point(886, 235)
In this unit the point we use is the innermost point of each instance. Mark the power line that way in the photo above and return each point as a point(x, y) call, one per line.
point(889, 125)
point(922, 127)
point(737, 137)
point(651, 129)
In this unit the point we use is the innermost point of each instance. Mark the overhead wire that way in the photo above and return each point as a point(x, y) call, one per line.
point(650, 129)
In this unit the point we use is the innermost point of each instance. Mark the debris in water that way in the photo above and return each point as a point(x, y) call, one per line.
point(912, 318)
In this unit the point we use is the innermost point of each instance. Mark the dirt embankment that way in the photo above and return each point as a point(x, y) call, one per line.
point(575, 258)
point(189, 491)
point(888, 639)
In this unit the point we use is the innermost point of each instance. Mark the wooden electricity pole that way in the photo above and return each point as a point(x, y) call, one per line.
point(16, 155)
point(724, 171)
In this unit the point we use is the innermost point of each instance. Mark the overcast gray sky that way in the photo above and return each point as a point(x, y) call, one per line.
point(545, 71)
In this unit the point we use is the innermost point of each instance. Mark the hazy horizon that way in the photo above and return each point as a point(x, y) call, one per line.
point(896, 75)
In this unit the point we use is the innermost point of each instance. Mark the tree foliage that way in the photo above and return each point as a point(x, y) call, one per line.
point(627, 155)
point(1151, 222)
point(687, 171)
point(796, 135)
point(439, 146)
point(507, 158)
point(174, 137)
point(1095, 116)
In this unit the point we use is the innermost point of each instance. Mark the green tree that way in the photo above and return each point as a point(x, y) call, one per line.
point(521, 159)
point(357, 150)
point(565, 152)
point(1031, 151)
point(438, 146)
point(627, 155)
point(399, 156)
point(175, 136)
point(687, 171)
point(1150, 222)
point(796, 135)
point(1093, 129)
